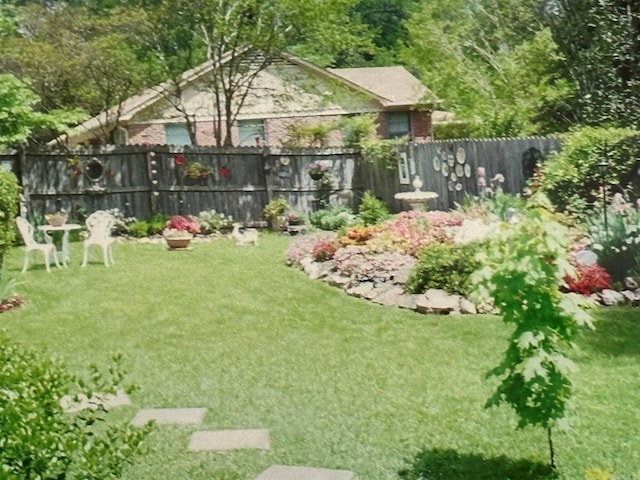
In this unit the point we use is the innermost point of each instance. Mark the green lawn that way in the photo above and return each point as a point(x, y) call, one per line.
point(339, 382)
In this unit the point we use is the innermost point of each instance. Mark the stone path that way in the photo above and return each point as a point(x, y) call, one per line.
point(217, 440)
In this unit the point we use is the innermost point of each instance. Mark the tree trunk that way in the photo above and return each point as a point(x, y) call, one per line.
point(552, 454)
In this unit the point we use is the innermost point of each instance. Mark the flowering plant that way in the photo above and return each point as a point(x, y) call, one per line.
point(318, 169)
point(56, 219)
point(179, 226)
point(210, 221)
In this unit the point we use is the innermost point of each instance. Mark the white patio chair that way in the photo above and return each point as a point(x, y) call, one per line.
point(48, 249)
point(99, 225)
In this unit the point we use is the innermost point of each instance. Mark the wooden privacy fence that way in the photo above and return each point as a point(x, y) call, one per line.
point(143, 180)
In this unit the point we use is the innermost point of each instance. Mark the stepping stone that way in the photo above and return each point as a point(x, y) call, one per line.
point(73, 403)
point(229, 440)
point(175, 416)
point(282, 472)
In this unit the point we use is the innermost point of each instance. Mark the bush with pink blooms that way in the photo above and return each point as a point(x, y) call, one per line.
point(183, 224)
point(360, 263)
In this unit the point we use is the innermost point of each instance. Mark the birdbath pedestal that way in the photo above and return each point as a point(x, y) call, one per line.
point(417, 198)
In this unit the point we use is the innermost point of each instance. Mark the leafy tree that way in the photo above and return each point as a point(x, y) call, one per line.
point(18, 118)
point(76, 60)
point(523, 270)
point(600, 43)
point(490, 62)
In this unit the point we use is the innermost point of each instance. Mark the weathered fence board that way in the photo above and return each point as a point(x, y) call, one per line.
point(143, 180)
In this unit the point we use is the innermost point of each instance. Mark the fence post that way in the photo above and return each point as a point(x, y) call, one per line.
point(268, 172)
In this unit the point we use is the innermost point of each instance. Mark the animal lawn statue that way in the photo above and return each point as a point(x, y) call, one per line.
point(246, 236)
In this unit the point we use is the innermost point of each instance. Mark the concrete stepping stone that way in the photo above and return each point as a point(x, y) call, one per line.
point(220, 440)
point(175, 416)
point(283, 472)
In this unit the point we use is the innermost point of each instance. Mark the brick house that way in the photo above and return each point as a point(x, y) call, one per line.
point(291, 90)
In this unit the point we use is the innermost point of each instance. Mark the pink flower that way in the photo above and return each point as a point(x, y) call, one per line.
point(481, 172)
point(498, 178)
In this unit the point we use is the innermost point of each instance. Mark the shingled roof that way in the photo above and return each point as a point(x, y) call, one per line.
point(394, 86)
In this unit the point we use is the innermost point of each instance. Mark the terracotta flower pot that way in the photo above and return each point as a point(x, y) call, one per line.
point(178, 243)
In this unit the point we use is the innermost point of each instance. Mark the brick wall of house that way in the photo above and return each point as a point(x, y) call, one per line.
point(276, 129)
point(151, 133)
point(421, 126)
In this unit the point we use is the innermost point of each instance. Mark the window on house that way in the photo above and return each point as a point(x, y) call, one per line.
point(176, 134)
point(398, 124)
point(251, 133)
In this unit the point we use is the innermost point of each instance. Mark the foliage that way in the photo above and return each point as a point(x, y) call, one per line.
point(446, 266)
point(362, 264)
point(523, 271)
point(61, 42)
point(275, 208)
point(323, 250)
point(40, 439)
point(196, 170)
point(19, 119)
point(356, 235)
point(318, 168)
point(409, 232)
point(9, 191)
point(572, 177)
point(618, 243)
point(333, 218)
point(305, 135)
point(492, 63)
point(372, 210)
point(382, 152)
point(602, 60)
point(138, 229)
point(588, 279)
point(357, 129)
point(182, 223)
point(302, 246)
point(211, 221)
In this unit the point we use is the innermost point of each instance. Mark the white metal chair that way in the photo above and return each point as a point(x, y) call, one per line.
point(99, 225)
point(30, 244)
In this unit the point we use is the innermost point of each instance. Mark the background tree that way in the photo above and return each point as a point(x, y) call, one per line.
point(492, 63)
point(74, 59)
point(602, 57)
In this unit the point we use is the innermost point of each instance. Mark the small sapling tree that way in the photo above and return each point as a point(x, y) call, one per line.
point(523, 270)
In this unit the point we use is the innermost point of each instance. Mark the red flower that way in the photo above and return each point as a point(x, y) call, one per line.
point(224, 171)
point(180, 160)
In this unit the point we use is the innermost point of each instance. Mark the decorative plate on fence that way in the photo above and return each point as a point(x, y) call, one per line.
point(459, 171)
point(451, 159)
point(445, 170)
point(461, 155)
point(453, 177)
point(458, 186)
point(436, 163)
point(451, 185)
point(467, 170)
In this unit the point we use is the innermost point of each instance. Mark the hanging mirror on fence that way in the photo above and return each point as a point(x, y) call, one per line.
point(94, 170)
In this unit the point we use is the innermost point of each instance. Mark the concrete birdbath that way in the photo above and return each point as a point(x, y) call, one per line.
point(417, 198)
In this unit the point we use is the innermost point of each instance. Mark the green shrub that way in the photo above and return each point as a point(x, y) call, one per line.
point(357, 128)
point(138, 229)
point(157, 223)
point(333, 218)
point(40, 440)
point(372, 210)
point(9, 191)
point(445, 266)
point(571, 178)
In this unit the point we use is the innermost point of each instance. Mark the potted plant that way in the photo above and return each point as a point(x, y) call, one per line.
point(180, 230)
point(293, 219)
point(196, 170)
point(274, 212)
point(317, 170)
point(56, 219)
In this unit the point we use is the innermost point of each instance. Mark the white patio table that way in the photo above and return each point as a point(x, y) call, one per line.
point(65, 228)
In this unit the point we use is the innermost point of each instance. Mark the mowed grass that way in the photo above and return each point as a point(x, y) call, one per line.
point(338, 382)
